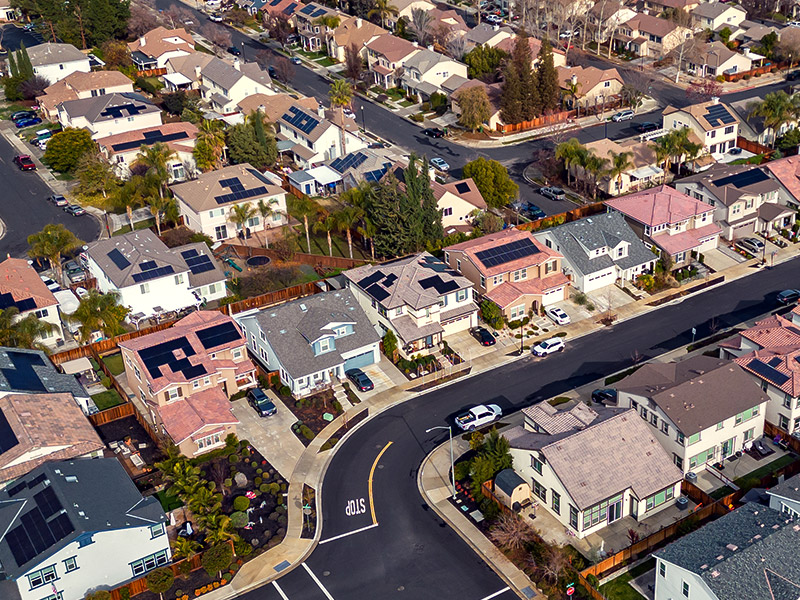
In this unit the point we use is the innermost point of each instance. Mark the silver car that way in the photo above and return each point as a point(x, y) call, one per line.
point(752, 245)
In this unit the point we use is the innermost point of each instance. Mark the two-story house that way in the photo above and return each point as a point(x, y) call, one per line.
point(598, 251)
point(153, 49)
point(595, 86)
point(644, 170)
point(22, 288)
point(109, 114)
point(405, 9)
point(605, 17)
point(417, 297)
point(712, 59)
point(352, 31)
point(717, 15)
point(185, 376)
point(64, 519)
point(312, 342)
point(785, 497)
point(151, 278)
point(628, 474)
point(786, 171)
point(713, 122)
point(281, 9)
point(676, 224)
point(313, 34)
point(701, 410)
point(386, 56)
point(512, 269)
point(657, 7)
point(82, 85)
point(425, 71)
point(54, 61)
point(487, 34)
point(745, 199)
point(224, 85)
point(648, 35)
point(316, 139)
point(184, 73)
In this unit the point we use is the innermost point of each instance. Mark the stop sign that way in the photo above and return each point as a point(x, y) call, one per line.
point(570, 591)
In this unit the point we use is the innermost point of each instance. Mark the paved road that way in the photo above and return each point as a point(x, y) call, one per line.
point(14, 36)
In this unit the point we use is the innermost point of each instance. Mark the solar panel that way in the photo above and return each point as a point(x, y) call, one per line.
point(61, 526)
point(162, 354)
point(319, 12)
point(37, 480)
point(47, 502)
point(26, 304)
point(288, 10)
point(437, 283)
point(20, 545)
point(375, 176)
point(118, 259)
point(743, 179)
point(377, 292)
point(229, 182)
point(129, 109)
point(241, 195)
point(202, 266)
point(774, 362)
point(150, 138)
point(13, 491)
point(22, 376)
point(462, 188)
point(348, 162)
point(307, 10)
point(507, 252)
point(389, 281)
point(374, 278)
point(300, 120)
point(275, 2)
point(149, 265)
point(218, 335)
point(768, 372)
point(153, 274)
point(189, 253)
point(39, 533)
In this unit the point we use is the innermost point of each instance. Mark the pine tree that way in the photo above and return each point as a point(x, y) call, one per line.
point(547, 78)
point(432, 230)
point(12, 65)
point(24, 65)
point(386, 214)
point(510, 95)
point(530, 104)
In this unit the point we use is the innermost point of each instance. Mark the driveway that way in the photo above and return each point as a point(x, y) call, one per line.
point(384, 376)
point(720, 260)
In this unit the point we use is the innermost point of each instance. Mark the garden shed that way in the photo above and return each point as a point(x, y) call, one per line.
point(511, 489)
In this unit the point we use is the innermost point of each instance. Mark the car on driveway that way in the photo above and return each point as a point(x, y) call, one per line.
point(623, 115)
point(74, 210)
point(24, 162)
point(58, 200)
point(74, 271)
point(27, 122)
point(478, 416)
point(604, 395)
point(440, 164)
point(787, 297)
point(23, 114)
point(550, 346)
point(558, 316)
point(646, 127)
point(493, 19)
point(752, 245)
point(360, 379)
point(735, 151)
point(433, 132)
point(261, 403)
point(51, 285)
point(234, 50)
point(483, 336)
point(554, 193)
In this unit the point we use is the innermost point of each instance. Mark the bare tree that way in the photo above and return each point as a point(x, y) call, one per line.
point(555, 561)
point(33, 87)
point(174, 16)
point(511, 533)
point(141, 20)
point(284, 69)
point(279, 27)
point(353, 63)
point(421, 24)
point(456, 46)
point(601, 7)
point(217, 35)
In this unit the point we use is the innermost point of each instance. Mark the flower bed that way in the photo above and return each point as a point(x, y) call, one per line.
point(310, 413)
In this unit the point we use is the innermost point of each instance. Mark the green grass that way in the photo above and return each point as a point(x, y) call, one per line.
point(114, 363)
point(559, 400)
point(168, 503)
point(618, 589)
point(9, 109)
point(753, 160)
point(67, 176)
point(406, 103)
point(319, 245)
point(107, 399)
point(325, 62)
point(137, 226)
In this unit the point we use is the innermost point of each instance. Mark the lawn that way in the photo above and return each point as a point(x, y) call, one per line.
point(752, 479)
point(618, 589)
point(753, 160)
point(114, 363)
point(319, 245)
point(168, 503)
point(325, 62)
point(9, 109)
point(407, 103)
point(107, 399)
point(147, 223)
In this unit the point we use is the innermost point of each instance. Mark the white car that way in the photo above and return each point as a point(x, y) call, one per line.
point(546, 347)
point(440, 163)
point(349, 113)
point(478, 416)
point(215, 18)
point(81, 292)
point(51, 285)
point(494, 19)
point(793, 23)
point(558, 316)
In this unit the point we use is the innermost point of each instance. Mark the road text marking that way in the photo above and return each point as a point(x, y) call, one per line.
point(318, 582)
point(280, 591)
point(342, 535)
point(371, 473)
point(503, 591)
point(355, 507)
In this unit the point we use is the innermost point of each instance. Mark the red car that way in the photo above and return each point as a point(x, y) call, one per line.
point(24, 162)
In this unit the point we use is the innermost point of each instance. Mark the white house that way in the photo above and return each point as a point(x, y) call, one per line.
point(65, 518)
point(785, 497)
point(714, 123)
point(207, 202)
point(109, 114)
point(312, 342)
point(425, 71)
point(152, 278)
point(22, 288)
point(153, 49)
point(224, 85)
point(55, 61)
point(82, 85)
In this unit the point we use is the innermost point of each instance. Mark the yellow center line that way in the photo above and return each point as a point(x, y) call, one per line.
point(371, 473)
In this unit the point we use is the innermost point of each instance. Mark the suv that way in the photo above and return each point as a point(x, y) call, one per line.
point(623, 115)
point(58, 200)
point(546, 347)
point(261, 403)
point(24, 162)
point(74, 271)
point(787, 297)
point(752, 245)
point(646, 127)
point(554, 193)
point(433, 132)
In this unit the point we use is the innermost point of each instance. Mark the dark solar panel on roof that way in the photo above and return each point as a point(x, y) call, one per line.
point(151, 137)
point(61, 526)
point(774, 362)
point(153, 274)
point(47, 502)
point(147, 266)
point(439, 284)
point(189, 253)
point(218, 334)
point(241, 195)
point(389, 281)
point(20, 545)
point(159, 355)
point(768, 372)
point(37, 480)
point(13, 491)
point(37, 530)
point(22, 376)
point(462, 187)
point(307, 10)
point(377, 292)
point(300, 120)
point(8, 439)
point(319, 12)
point(348, 162)
point(288, 10)
point(743, 179)
point(507, 252)
point(373, 278)
point(118, 259)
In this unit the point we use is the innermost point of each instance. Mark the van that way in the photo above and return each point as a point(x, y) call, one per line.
point(43, 134)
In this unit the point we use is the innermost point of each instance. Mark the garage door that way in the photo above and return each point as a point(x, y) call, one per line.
point(359, 361)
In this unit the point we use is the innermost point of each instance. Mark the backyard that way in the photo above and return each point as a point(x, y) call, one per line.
point(619, 588)
point(753, 479)
point(319, 245)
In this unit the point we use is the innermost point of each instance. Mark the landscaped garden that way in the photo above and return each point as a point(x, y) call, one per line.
point(313, 413)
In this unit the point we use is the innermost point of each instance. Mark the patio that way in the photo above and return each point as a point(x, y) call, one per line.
point(708, 481)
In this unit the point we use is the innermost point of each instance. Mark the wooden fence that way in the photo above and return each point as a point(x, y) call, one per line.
point(566, 217)
point(771, 431)
point(115, 413)
point(754, 72)
point(315, 260)
point(152, 72)
point(753, 147)
point(105, 346)
point(270, 298)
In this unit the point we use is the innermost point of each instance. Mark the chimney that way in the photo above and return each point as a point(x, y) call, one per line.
point(358, 23)
point(715, 100)
point(142, 41)
point(574, 79)
point(236, 64)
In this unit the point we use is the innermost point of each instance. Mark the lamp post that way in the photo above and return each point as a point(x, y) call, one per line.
point(244, 57)
point(452, 463)
point(363, 122)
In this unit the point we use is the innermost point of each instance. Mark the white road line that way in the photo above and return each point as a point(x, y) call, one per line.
point(318, 582)
point(280, 591)
point(503, 591)
point(340, 536)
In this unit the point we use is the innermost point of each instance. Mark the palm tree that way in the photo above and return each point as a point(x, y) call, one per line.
point(326, 223)
point(341, 95)
point(130, 195)
point(156, 158)
point(777, 109)
point(665, 148)
point(594, 165)
point(382, 9)
point(346, 220)
point(99, 312)
point(570, 153)
point(204, 501)
point(212, 135)
point(267, 213)
point(51, 243)
point(217, 528)
point(329, 21)
point(22, 333)
point(159, 207)
point(574, 90)
point(620, 163)
point(184, 547)
point(240, 214)
point(304, 208)
point(367, 230)
point(420, 23)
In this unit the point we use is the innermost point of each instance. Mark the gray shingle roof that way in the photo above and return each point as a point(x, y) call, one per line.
point(96, 109)
point(508, 480)
point(49, 54)
point(31, 371)
point(789, 489)
point(226, 75)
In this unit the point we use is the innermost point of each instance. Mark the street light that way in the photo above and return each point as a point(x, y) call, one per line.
point(244, 57)
point(363, 122)
point(452, 463)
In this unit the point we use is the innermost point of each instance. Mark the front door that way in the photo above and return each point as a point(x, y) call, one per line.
point(634, 507)
point(429, 341)
point(728, 447)
point(615, 511)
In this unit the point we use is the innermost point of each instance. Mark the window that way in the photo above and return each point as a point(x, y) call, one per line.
point(253, 222)
point(665, 427)
point(148, 563)
point(70, 564)
point(702, 458)
point(519, 275)
point(729, 130)
point(556, 500)
point(693, 439)
point(749, 434)
point(448, 212)
point(599, 512)
point(221, 232)
point(42, 576)
point(179, 279)
point(196, 384)
point(56, 596)
point(659, 498)
point(573, 517)
point(517, 312)
point(483, 282)
point(497, 279)
point(747, 415)
point(144, 288)
point(662, 569)
point(644, 413)
point(685, 589)
point(398, 311)
point(458, 264)
point(208, 441)
point(634, 405)
point(720, 425)
point(461, 295)
point(540, 490)
point(237, 353)
point(654, 419)
point(536, 464)
point(783, 422)
point(678, 461)
point(40, 314)
point(324, 345)
point(157, 530)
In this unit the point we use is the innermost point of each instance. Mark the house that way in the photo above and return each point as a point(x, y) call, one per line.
point(647, 35)
point(448, 24)
point(109, 114)
point(224, 85)
point(712, 59)
point(701, 410)
point(657, 7)
point(512, 269)
point(312, 342)
point(787, 172)
point(282, 9)
point(7, 12)
point(713, 122)
point(67, 517)
point(605, 17)
point(405, 10)
point(42, 426)
point(598, 251)
point(750, 552)
point(206, 203)
point(54, 62)
point(785, 497)
point(493, 93)
point(386, 56)
point(352, 31)
point(312, 34)
point(185, 376)
point(425, 71)
point(745, 199)
point(678, 225)
point(274, 106)
point(22, 288)
point(629, 474)
point(151, 278)
point(595, 86)
point(749, 33)
point(363, 165)
point(82, 85)
point(535, 44)
point(717, 15)
point(184, 72)
point(643, 173)
point(417, 297)
point(153, 49)
point(487, 34)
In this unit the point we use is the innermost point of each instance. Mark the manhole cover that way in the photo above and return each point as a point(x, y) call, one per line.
point(326, 573)
point(328, 417)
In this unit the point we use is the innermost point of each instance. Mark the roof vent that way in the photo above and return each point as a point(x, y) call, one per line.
point(71, 479)
point(715, 573)
point(703, 567)
point(57, 471)
point(732, 547)
point(303, 307)
point(81, 513)
point(720, 557)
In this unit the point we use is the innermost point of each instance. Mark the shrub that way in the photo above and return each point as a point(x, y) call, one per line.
point(106, 382)
point(160, 580)
point(592, 579)
point(241, 503)
point(227, 483)
point(239, 519)
point(226, 577)
point(125, 593)
point(274, 488)
point(242, 548)
point(462, 469)
point(337, 406)
point(306, 432)
point(217, 558)
point(329, 444)
point(515, 324)
point(285, 391)
point(721, 79)
point(233, 458)
point(259, 471)
point(580, 299)
point(417, 118)
point(253, 464)
point(146, 86)
point(257, 481)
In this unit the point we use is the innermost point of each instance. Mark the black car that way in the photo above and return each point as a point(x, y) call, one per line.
point(646, 127)
point(272, 72)
point(533, 212)
point(604, 396)
point(793, 76)
point(360, 379)
point(261, 403)
point(235, 51)
point(483, 336)
point(433, 132)
point(23, 114)
point(787, 297)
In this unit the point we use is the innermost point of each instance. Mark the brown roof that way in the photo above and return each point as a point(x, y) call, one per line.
point(509, 292)
point(183, 145)
point(154, 43)
point(450, 19)
point(185, 417)
point(649, 24)
point(699, 110)
point(358, 31)
point(48, 426)
point(588, 77)
point(392, 47)
point(200, 193)
point(94, 80)
point(507, 45)
point(20, 280)
point(468, 191)
point(282, 7)
point(275, 106)
point(470, 248)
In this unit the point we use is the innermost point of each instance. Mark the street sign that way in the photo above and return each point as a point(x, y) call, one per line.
point(570, 591)
point(694, 330)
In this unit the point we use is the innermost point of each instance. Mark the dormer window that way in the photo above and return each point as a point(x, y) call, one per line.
point(324, 345)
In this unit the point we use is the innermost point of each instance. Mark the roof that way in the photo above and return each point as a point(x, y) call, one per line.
point(417, 281)
point(712, 10)
point(87, 82)
point(274, 106)
point(355, 30)
point(475, 249)
point(714, 54)
point(185, 417)
point(788, 489)
point(230, 185)
point(509, 292)
point(226, 75)
point(308, 125)
point(186, 65)
point(161, 40)
point(535, 44)
point(393, 48)
point(750, 552)
point(31, 371)
point(507, 481)
point(282, 7)
point(642, 153)
point(549, 419)
point(658, 206)
point(314, 10)
point(21, 287)
point(686, 240)
point(35, 428)
point(179, 136)
point(425, 60)
point(485, 32)
point(74, 497)
point(587, 77)
point(696, 393)
point(779, 366)
point(450, 19)
point(466, 190)
point(709, 115)
point(109, 107)
point(292, 327)
point(645, 23)
point(728, 183)
point(50, 53)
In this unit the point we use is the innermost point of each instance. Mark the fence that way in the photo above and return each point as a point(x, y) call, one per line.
point(771, 431)
point(152, 72)
point(270, 298)
point(753, 147)
point(560, 117)
point(315, 260)
point(566, 217)
point(754, 72)
point(105, 346)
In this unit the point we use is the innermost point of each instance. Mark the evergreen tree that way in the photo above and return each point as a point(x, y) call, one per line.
point(12, 64)
point(386, 213)
point(264, 136)
point(530, 103)
point(547, 78)
point(432, 230)
point(510, 95)
point(244, 147)
point(24, 65)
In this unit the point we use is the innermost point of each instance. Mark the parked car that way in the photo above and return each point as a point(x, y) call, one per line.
point(23, 114)
point(623, 115)
point(493, 19)
point(74, 271)
point(292, 39)
point(483, 335)
point(533, 212)
point(603, 395)
point(51, 285)
point(735, 151)
point(568, 34)
point(646, 127)
point(433, 132)
point(296, 61)
point(440, 164)
point(74, 210)
point(261, 403)
point(348, 113)
point(558, 316)
point(58, 200)
point(478, 416)
point(24, 162)
point(793, 76)
point(554, 193)
point(272, 72)
point(360, 379)
point(550, 346)
point(234, 50)
point(788, 297)
point(27, 122)
point(793, 24)
point(752, 245)
point(215, 18)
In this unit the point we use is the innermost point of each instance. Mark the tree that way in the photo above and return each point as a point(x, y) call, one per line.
point(382, 9)
point(65, 149)
point(574, 91)
point(141, 20)
point(511, 533)
point(789, 141)
point(99, 312)
point(341, 95)
point(492, 180)
point(98, 595)
point(240, 215)
point(511, 95)
point(174, 103)
point(556, 561)
point(703, 90)
point(346, 220)
point(279, 27)
point(769, 43)
point(217, 558)
point(156, 159)
point(327, 223)
point(725, 35)
point(386, 212)
point(420, 25)
point(547, 78)
point(426, 225)
point(217, 35)
point(569, 153)
point(284, 69)
point(22, 333)
point(204, 500)
point(523, 87)
point(330, 21)
point(594, 166)
point(303, 208)
point(496, 448)
point(24, 66)
point(620, 163)
point(52, 243)
point(486, 222)
point(475, 107)
point(160, 581)
point(243, 147)
point(160, 206)
point(115, 54)
point(266, 212)
point(353, 63)
point(389, 344)
point(184, 547)
point(789, 44)
point(208, 148)
point(33, 87)
point(491, 314)
point(777, 109)
point(456, 46)
point(129, 196)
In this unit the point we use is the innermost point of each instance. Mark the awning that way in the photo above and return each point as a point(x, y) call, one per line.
point(177, 79)
point(646, 172)
point(79, 365)
point(220, 100)
point(67, 301)
point(324, 175)
point(285, 145)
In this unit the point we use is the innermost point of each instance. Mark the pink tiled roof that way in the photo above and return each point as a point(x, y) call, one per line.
point(775, 331)
point(20, 280)
point(185, 417)
point(392, 47)
point(507, 293)
point(658, 206)
point(787, 171)
point(471, 247)
point(686, 240)
point(783, 360)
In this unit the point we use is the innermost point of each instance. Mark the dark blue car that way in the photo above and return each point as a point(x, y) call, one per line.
point(20, 123)
point(360, 379)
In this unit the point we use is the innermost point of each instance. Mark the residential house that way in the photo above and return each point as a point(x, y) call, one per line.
point(312, 342)
point(595, 86)
point(54, 62)
point(7, 12)
point(82, 85)
point(40, 427)
point(317, 181)
point(153, 49)
point(405, 9)
point(362, 165)
point(312, 34)
point(447, 24)
point(598, 251)
point(123, 150)
point(629, 474)
point(185, 376)
point(274, 106)
point(207, 202)
point(785, 497)
point(512, 269)
point(425, 71)
point(251, 6)
point(713, 122)
point(750, 552)
point(224, 85)
point(386, 56)
point(678, 225)
point(702, 410)
point(487, 34)
point(282, 9)
point(787, 172)
point(417, 297)
point(559, 58)
point(151, 278)
point(352, 31)
point(22, 288)
point(493, 93)
point(712, 59)
point(647, 35)
point(605, 17)
point(184, 72)
point(657, 7)
point(717, 15)
point(750, 33)
point(745, 199)
point(644, 170)
point(67, 517)
point(109, 114)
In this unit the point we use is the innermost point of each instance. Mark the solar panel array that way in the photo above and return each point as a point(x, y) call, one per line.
point(507, 252)
point(237, 191)
point(22, 376)
point(313, 11)
point(160, 355)
point(35, 534)
point(150, 137)
point(130, 109)
point(348, 162)
point(275, 2)
point(717, 114)
point(8, 439)
point(439, 284)
point(118, 259)
point(218, 335)
point(146, 266)
point(742, 180)
point(300, 120)
point(289, 9)
point(7, 300)
point(153, 273)
point(767, 372)
point(199, 263)
point(462, 187)
point(376, 175)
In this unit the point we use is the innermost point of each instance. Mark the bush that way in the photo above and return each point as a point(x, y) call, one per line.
point(227, 483)
point(264, 487)
point(285, 390)
point(106, 382)
point(233, 459)
point(337, 406)
point(160, 580)
point(274, 488)
point(580, 299)
point(417, 118)
point(721, 79)
point(217, 558)
point(125, 593)
point(491, 314)
point(329, 444)
point(306, 432)
point(239, 519)
point(462, 470)
point(257, 481)
point(146, 86)
point(241, 548)
point(241, 503)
